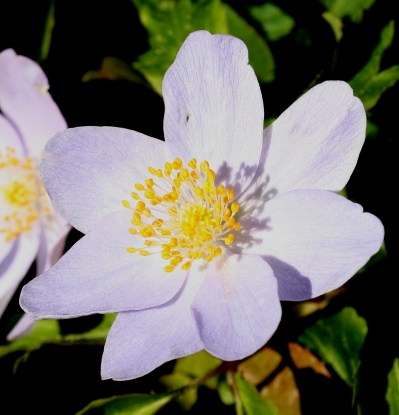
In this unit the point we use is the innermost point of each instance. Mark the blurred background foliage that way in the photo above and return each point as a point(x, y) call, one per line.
point(105, 61)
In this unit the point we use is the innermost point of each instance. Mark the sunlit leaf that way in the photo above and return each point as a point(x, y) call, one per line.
point(282, 393)
point(303, 358)
point(178, 380)
point(369, 84)
point(45, 331)
point(197, 365)
point(47, 32)
point(354, 9)
point(337, 340)
point(259, 366)
point(225, 392)
point(48, 331)
point(114, 69)
point(135, 404)
point(251, 401)
point(96, 335)
point(260, 56)
point(274, 21)
point(168, 23)
point(335, 24)
point(392, 395)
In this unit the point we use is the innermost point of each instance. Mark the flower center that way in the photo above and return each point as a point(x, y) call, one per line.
point(182, 215)
point(19, 192)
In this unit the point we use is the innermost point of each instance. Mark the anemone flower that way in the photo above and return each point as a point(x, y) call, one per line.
point(194, 241)
point(29, 226)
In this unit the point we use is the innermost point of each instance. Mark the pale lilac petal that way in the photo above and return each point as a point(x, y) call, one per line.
point(88, 171)
point(52, 240)
point(16, 263)
point(237, 308)
point(214, 108)
point(22, 328)
point(314, 144)
point(314, 240)
point(28, 105)
point(97, 275)
point(140, 341)
point(9, 137)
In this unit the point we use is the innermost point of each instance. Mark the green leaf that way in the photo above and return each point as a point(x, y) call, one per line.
point(260, 56)
point(354, 9)
point(251, 401)
point(47, 32)
point(226, 394)
point(45, 331)
point(369, 84)
point(178, 380)
point(96, 335)
point(392, 395)
point(274, 21)
point(337, 340)
point(135, 404)
point(372, 129)
point(48, 331)
point(197, 365)
point(335, 24)
point(168, 23)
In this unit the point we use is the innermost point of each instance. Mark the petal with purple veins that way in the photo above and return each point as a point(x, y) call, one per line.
point(314, 240)
point(214, 108)
point(98, 275)
point(314, 144)
point(88, 171)
point(237, 308)
point(140, 341)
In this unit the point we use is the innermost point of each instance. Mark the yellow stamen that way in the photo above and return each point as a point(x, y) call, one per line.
point(199, 216)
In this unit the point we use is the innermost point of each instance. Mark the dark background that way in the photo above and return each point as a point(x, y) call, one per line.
point(63, 379)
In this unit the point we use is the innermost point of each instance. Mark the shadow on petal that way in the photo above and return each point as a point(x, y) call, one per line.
point(292, 285)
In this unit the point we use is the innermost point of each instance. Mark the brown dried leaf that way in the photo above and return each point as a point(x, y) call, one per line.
point(303, 358)
point(282, 393)
point(259, 366)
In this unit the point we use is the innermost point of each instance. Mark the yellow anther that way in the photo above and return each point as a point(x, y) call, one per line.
point(204, 166)
point(198, 214)
point(149, 182)
point(199, 191)
point(146, 212)
point(235, 207)
point(131, 250)
point(186, 266)
point(126, 204)
point(209, 258)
